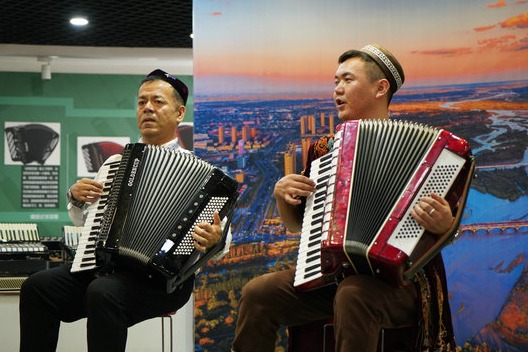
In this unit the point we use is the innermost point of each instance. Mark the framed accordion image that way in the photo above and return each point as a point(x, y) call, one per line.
point(93, 151)
point(31, 143)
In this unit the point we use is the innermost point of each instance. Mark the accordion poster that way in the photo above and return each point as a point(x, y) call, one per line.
point(93, 151)
point(31, 143)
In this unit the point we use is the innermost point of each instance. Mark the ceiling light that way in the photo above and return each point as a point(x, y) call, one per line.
point(79, 21)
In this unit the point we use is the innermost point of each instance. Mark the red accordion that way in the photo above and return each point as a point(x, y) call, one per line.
point(358, 221)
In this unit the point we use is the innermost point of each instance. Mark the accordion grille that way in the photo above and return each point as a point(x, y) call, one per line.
point(166, 181)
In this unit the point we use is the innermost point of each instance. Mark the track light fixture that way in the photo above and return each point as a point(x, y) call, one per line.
point(46, 67)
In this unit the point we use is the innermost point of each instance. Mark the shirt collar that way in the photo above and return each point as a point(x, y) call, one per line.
point(171, 145)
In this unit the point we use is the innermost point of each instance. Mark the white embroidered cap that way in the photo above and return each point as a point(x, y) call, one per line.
point(388, 64)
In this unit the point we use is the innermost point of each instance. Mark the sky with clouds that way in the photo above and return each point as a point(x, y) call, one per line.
point(275, 45)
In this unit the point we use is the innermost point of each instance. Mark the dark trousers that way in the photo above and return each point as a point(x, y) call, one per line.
point(360, 306)
point(111, 303)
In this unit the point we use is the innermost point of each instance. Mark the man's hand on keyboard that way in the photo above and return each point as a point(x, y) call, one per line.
point(86, 190)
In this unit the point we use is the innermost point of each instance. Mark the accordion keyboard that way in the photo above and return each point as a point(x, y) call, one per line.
point(21, 254)
point(20, 238)
point(313, 228)
point(85, 257)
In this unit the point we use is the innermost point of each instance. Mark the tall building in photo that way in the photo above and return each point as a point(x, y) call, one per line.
point(331, 123)
point(311, 122)
point(233, 134)
point(322, 119)
point(241, 147)
point(253, 132)
point(245, 133)
point(303, 125)
point(290, 160)
point(240, 176)
point(241, 161)
point(221, 134)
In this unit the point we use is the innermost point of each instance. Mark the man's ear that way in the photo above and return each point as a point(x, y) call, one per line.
point(181, 113)
point(383, 87)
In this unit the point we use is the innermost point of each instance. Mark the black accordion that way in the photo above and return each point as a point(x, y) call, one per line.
point(152, 199)
point(31, 143)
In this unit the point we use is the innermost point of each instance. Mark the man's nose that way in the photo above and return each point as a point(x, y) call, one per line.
point(148, 106)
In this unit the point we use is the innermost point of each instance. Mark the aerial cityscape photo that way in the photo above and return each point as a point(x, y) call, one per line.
point(263, 80)
point(259, 141)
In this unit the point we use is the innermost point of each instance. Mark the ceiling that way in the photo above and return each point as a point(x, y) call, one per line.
point(122, 36)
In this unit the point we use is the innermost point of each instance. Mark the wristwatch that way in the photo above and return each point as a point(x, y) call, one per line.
point(76, 203)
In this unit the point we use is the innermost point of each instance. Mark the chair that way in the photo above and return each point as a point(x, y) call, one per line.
point(319, 337)
point(163, 317)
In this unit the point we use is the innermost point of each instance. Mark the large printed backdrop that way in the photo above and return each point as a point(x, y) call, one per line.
point(263, 83)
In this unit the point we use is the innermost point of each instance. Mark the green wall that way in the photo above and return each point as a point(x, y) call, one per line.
point(83, 105)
